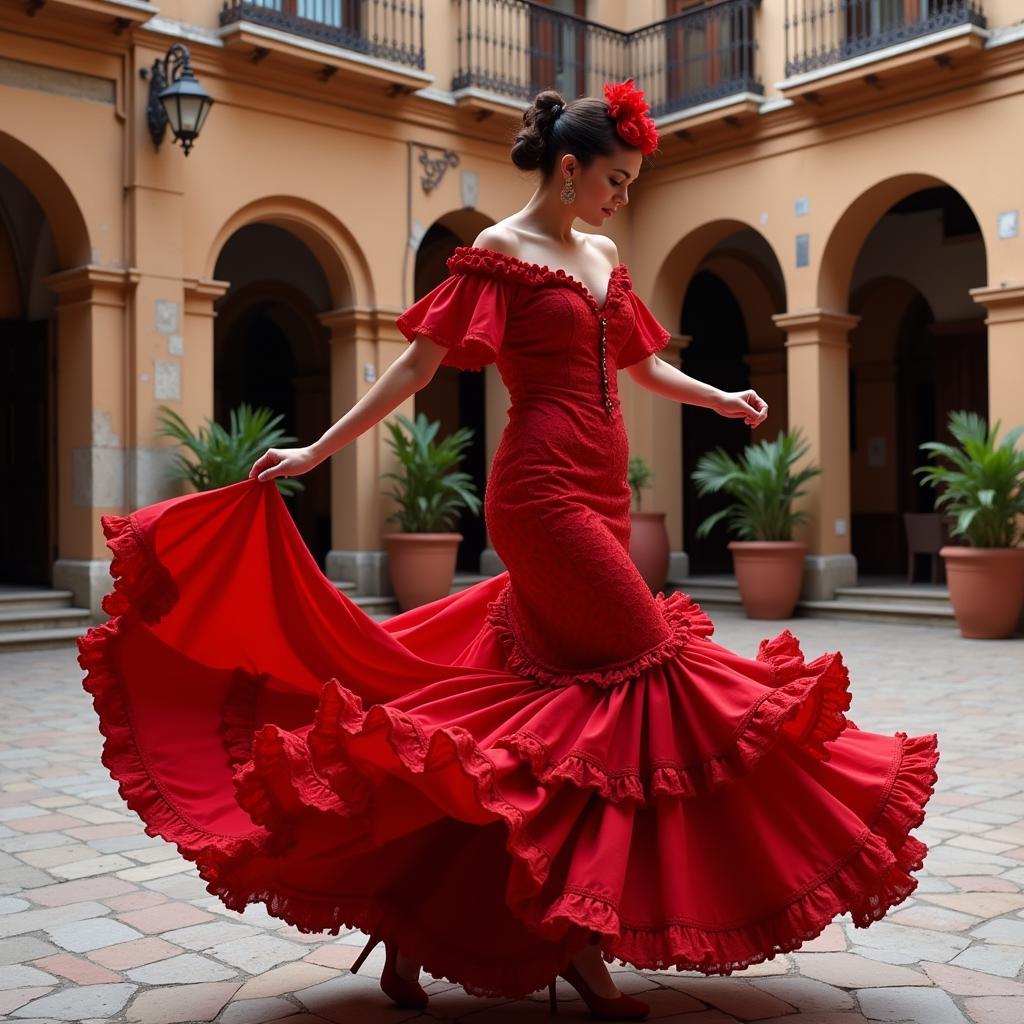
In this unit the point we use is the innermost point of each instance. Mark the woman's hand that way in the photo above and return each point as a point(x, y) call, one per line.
point(746, 405)
point(284, 462)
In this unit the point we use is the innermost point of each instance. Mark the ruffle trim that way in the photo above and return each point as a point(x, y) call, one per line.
point(682, 615)
point(821, 686)
point(873, 877)
point(120, 754)
point(499, 264)
point(831, 688)
point(141, 583)
point(288, 776)
point(463, 353)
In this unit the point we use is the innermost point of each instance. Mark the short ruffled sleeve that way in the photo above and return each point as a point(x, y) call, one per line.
point(647, 336)
point(465, 313)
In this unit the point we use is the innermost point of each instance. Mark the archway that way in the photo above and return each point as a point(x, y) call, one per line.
point(41, 231)
point(735, 284)
point(270, 350)
point(917, 354)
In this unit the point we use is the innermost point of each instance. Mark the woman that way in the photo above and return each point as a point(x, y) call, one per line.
point(545, 771)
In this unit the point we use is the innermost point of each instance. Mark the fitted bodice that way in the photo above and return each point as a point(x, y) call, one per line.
point(559, 343)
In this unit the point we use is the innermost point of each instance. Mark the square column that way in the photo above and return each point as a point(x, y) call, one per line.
point(93, 421)
point(1005, 322)
point(817, 362)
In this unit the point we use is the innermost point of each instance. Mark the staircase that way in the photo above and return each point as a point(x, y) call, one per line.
point(38, 617)
point(34, 618)
point(919, 604)
point(383, 607)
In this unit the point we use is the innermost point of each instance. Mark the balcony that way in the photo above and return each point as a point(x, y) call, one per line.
point(368, 38)
point(833, 46)
point(509, 50)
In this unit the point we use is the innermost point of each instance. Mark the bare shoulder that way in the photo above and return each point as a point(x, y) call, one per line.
point(607, 247)
point(500, 238)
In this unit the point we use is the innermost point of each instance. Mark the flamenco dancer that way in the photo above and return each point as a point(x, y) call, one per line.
point(545, 772)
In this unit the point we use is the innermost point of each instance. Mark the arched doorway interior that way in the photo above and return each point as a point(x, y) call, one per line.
point(28, 541)
point(271, 350)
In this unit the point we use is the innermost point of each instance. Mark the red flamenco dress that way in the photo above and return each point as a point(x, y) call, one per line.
point(490, 778)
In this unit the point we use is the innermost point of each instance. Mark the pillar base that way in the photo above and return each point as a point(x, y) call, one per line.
point(368, 570)
point(678, 565)
point(824, 573)
point(88, 580)
point(490, 563)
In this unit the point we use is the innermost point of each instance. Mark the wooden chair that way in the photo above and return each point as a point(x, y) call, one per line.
point(926, 533)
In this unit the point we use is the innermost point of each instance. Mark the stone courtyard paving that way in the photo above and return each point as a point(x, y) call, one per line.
point(99, 922)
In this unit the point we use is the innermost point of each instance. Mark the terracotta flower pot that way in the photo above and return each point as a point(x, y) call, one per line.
point(421, 566)
point(769, 574)
point(649, 547)
point(986, 589)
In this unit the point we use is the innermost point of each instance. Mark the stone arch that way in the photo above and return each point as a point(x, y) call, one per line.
point(71, 235)
point(341, 258)
point(858, 219)
point(689, 253)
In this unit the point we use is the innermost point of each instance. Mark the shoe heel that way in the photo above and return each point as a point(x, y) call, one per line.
point(622, 1007)
point(367, 949)
point(552, 999)
point(400, 990)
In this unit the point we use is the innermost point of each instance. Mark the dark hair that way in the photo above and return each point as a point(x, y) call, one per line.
point(552, 126)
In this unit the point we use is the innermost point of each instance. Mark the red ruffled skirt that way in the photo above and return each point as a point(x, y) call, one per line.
point(706, 812)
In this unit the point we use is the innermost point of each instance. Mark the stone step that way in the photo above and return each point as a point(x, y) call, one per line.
point(42, 618)
point(15, 598)
point(709, 591)
point(382, 606)
point(921, 594)
point(464, 580)
point(707, 597)
point(375, 603)
point(918, 613)
point(38, 639)
point(880, 603)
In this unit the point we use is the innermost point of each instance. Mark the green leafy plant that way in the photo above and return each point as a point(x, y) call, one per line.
point(429, 491)
point(983, 485)
point(639, 475)
point(763, 484)
point(220, 456)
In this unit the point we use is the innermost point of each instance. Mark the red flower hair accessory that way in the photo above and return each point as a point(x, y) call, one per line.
point(626, 105)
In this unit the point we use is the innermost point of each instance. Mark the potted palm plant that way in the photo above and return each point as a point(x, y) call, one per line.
point(982, 489)
point(769, 564)
point(221, 457)
point(648, 535)
point(430, 494)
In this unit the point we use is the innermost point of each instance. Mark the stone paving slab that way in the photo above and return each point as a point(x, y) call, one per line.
point(101, 923)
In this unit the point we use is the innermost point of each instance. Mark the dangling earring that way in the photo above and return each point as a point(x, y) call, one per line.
point(568, 193)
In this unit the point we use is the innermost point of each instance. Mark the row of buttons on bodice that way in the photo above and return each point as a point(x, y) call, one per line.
point(605, 391)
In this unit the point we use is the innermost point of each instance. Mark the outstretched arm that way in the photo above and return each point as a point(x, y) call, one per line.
point(663, 379)
point(413, 369)
point(658, 376)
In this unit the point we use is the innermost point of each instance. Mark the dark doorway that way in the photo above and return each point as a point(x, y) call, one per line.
point(26, 439)
point(714, 320)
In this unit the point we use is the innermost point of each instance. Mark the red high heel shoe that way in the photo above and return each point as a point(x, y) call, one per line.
point(621, 1007)
point(400, 990)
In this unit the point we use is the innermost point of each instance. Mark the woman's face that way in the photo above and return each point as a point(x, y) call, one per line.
point(603, 187)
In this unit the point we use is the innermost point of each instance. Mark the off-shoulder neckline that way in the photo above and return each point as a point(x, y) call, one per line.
point(542, 271)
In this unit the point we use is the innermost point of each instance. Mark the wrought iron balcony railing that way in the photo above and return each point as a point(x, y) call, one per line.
point(824, 32)
point(517, 48)
point(390, 30)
